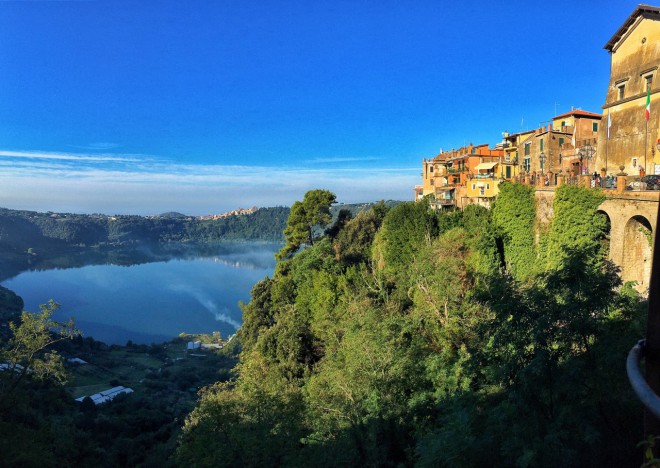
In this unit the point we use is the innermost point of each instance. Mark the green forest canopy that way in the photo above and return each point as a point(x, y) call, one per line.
point(408, 336)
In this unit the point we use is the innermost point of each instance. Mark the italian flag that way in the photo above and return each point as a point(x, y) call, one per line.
point(648, 104)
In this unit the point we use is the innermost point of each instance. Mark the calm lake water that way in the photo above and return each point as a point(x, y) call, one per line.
point(195, 292)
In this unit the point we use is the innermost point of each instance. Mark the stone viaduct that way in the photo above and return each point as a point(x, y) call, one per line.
point(632, 219)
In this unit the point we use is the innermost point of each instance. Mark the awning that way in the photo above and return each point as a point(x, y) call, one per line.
point(485, 166)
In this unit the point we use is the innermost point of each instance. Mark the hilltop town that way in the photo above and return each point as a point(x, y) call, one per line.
point(617, 150)
point(576, 147)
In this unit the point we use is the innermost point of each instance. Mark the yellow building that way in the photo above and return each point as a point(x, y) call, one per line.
point(454, 171)
point(485, 181)
point(629, 140)
point(513, 145)
point(434, 176)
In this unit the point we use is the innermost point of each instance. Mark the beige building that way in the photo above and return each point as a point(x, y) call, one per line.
point(635, 57)
point(578, 141)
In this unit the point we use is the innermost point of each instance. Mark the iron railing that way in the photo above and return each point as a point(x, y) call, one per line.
point(649, 399)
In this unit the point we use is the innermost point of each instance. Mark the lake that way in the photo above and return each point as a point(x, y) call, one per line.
point(154, 299)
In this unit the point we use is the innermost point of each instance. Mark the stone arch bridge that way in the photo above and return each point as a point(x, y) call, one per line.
point(632, 220)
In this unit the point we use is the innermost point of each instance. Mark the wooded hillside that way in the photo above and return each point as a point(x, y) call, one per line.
point(408, 336)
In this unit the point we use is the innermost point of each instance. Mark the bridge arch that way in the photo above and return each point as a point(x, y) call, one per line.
point(607, 232)
point(637, 253)
point(632, 216)
point(627, 212)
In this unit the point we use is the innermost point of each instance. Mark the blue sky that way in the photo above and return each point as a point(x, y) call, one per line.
point(205, 106)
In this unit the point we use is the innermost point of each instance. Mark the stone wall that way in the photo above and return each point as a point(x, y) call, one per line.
point(633, 217)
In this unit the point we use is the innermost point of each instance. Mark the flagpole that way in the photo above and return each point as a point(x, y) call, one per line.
point(607, 142)
point(647, 116)
point(606, 146)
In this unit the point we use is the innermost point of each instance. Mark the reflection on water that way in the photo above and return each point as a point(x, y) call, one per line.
point(150, 295)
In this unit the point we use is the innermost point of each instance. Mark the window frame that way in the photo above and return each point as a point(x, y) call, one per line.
point(647, 77)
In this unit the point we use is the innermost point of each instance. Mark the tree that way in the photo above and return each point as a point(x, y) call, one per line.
point(405, 230)
point(313, 211)
point(514, 214)
point(353, 242)
point(28, 351)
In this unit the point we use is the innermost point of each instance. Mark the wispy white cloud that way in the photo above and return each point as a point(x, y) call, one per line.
point(68, 156)
point(98, 146)
point(341, 159)
point(115, 183)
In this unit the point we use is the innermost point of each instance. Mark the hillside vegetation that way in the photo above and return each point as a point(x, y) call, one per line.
point(409, 337)
point(47, 240)
point(21, 230)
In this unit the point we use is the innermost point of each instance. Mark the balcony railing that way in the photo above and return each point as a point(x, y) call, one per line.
point(645, 394)
point(443, 202)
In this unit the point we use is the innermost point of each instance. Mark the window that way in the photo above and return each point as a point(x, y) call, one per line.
point(560, 159)
point(594, 126)
point(647, 79)
point(474, 150)
point(541, 144)
point(482, 192)
point(622, 91)
point(508, 172)
point(527, 148)
point(561, 141)
point(563, 123)
point(474, 186)
point(527, 164)
point(487, 186)
point(431, 169)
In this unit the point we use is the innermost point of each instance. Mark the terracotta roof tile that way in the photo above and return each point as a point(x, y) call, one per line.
point(578, 113)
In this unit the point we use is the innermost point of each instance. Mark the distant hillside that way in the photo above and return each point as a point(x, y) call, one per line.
point(23, 230)
point(11, 306)
point(355, 208)
point(172, 215)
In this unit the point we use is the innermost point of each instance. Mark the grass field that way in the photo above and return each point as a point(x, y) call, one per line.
point(140, 367)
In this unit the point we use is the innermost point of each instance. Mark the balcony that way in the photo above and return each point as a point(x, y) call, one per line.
point(442, 203)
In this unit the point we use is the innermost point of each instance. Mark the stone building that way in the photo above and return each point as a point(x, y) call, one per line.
point(635, 57)
point(577, 141)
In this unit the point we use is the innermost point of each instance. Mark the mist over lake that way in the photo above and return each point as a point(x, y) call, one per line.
point(156, 298)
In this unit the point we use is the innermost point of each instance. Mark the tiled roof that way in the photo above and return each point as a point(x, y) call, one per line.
point(646, 10)
point(578, 113)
